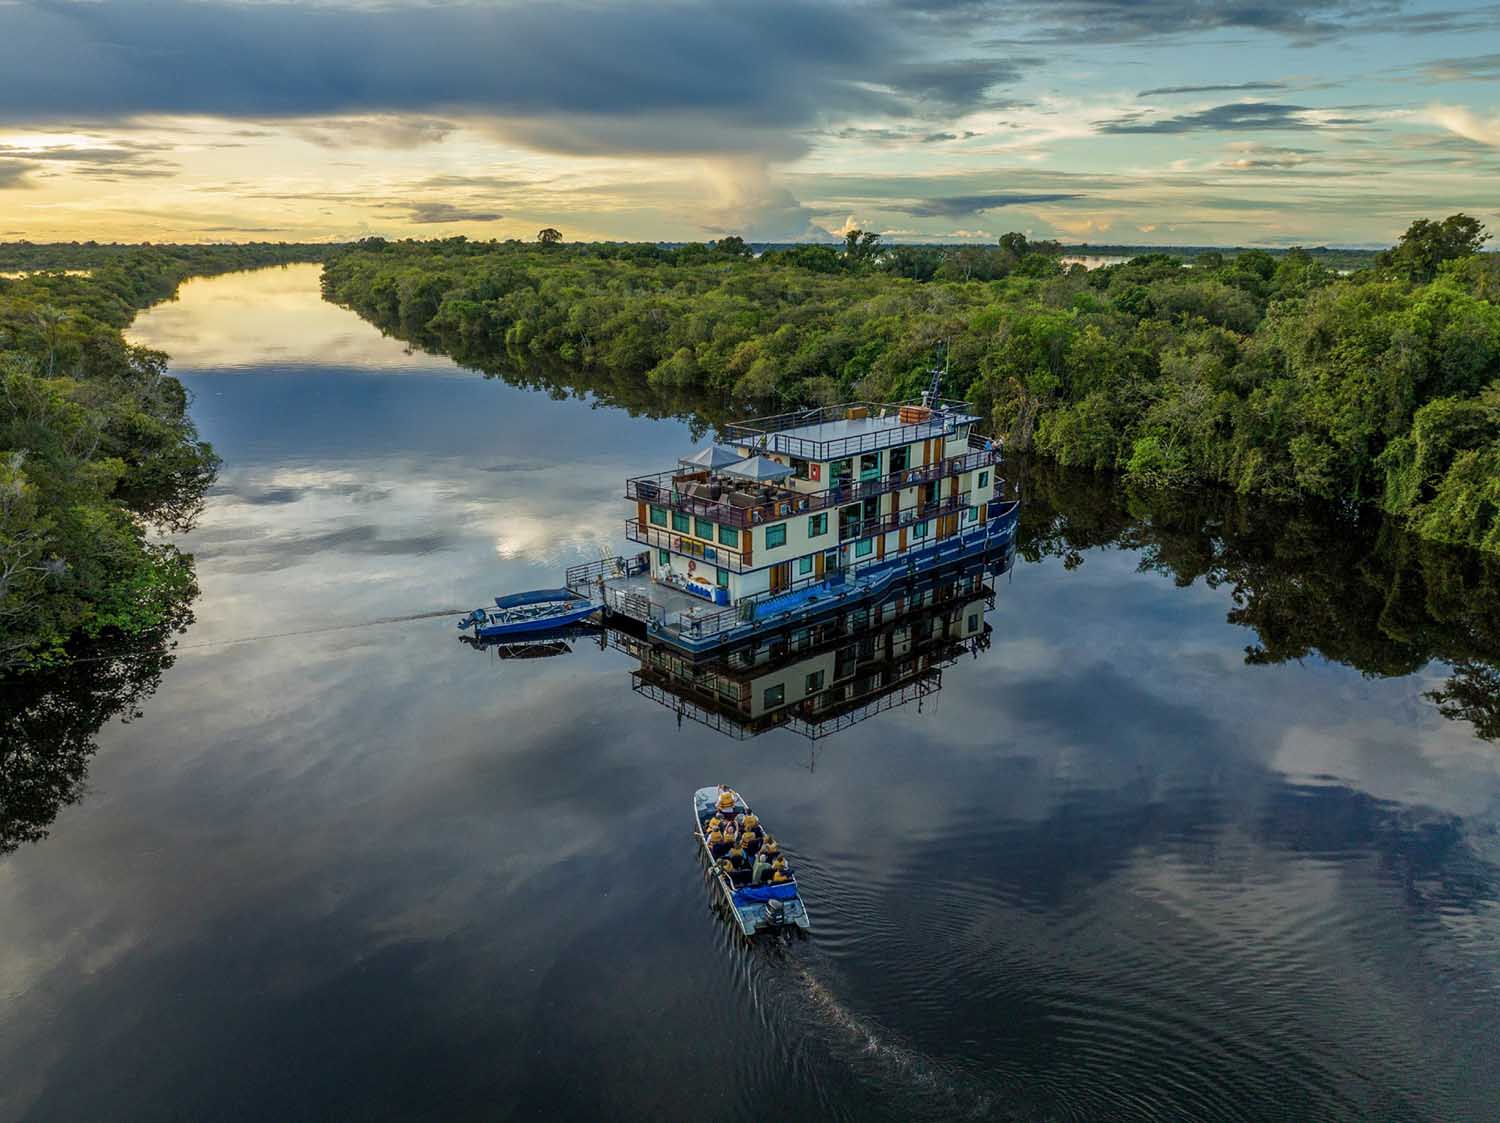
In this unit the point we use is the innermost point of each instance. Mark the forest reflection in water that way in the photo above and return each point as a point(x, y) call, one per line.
point(1304, 582)
point(1357, 591)
point(50, 722)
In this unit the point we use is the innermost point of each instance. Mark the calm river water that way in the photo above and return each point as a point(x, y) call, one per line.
point(1111, 869)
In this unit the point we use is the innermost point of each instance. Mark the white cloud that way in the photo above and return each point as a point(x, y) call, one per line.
point(1466, 123)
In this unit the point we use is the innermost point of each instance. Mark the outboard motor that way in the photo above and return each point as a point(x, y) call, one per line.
point(775, 913)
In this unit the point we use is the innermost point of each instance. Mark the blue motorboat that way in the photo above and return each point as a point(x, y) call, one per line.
point(766, 907)
point(518, 614)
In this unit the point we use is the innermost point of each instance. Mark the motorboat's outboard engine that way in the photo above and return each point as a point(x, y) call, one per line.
point(775, 913)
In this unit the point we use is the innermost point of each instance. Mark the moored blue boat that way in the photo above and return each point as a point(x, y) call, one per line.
point(539, 610)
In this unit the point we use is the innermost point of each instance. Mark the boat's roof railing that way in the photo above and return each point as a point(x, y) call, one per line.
point(924, 419)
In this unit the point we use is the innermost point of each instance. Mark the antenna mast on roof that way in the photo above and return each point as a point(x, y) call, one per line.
point(933, 394)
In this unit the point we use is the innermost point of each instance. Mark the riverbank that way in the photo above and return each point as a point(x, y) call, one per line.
point(1267, 375)
point(96, 447)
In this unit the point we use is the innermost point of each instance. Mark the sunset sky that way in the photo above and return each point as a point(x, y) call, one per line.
point(1270, 122)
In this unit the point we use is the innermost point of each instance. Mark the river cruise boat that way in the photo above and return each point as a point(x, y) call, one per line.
point(788, 521)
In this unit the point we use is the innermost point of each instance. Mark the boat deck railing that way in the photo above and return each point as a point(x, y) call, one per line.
point(770, 434)
point(858, 580)
point(703, 624)
point(580, 578)
point(675, 489)
point(813, 728)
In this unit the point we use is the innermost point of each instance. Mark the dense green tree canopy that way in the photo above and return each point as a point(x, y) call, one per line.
point(96, 447)
point(1268, 374)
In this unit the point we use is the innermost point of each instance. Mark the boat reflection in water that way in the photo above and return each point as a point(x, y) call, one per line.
point(813, 678)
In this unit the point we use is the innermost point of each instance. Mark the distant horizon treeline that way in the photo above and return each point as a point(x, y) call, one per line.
point(1270, 375)
point(96, 449)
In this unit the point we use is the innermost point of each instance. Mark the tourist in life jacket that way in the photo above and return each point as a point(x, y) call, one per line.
point(771, 849)
point(718, 845)
point(714, 824)
point(727, 800)
point(778, 865)
point(752, 824)
point(779, 877)
point(738, 858)
point(762, 871)
point(750, 842)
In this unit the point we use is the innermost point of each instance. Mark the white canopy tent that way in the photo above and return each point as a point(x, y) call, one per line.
point(761, 469)
point(713, 458)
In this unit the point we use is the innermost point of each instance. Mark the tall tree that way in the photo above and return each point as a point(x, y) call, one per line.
point(1427, 244)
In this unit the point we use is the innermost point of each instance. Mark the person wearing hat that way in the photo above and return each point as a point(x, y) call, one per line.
point(718, 845)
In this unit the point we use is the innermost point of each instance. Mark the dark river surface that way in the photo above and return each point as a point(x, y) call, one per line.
point(1190, 839)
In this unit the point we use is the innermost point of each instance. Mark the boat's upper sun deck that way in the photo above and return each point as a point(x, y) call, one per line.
point(840, 431)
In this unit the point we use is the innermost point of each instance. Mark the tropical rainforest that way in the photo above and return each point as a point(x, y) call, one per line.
point(96, 448)
point(1268, 374)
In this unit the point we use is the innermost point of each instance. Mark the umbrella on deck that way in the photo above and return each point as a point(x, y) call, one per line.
point(759, 468)
point(713, 458)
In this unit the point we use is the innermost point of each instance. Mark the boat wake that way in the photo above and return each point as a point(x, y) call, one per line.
point(937, 1087)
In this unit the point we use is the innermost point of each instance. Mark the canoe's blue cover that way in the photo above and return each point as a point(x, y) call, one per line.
point(536, 596)
point(787, 892)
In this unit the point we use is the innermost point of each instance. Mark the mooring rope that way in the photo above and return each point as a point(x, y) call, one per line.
point(173, 649)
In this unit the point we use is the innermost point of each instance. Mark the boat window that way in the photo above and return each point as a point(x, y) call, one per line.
point(681, 523)
point(663, 558)
point(775, 535)
point(973, 621)
point(984, 479)
point(849, 521)
point(728, 536)
point(840, 471)
point(899, 458)
point(799, 468)
point(814, 682)
point(869, 465)
point(804, 565)
point(775, 695)
point(659, 516)
point(919, 530)
point(704, 529)
point(817, 525)
point(863, 547)
point(722, 577)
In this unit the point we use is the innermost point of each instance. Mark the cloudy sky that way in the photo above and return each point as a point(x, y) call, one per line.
point(1266, 122)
